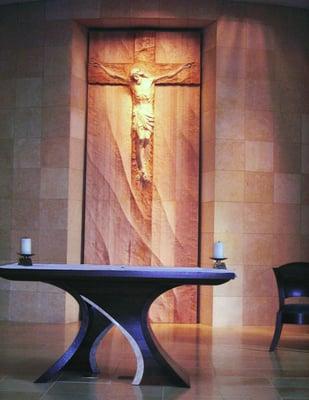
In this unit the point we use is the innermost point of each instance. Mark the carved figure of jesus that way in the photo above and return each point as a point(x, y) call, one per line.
point(142, 87)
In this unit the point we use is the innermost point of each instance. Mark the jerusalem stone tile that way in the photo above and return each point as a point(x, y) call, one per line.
point(8, 59)
point(25, 214)
point(230, 123)
point(259, 125)
point(28, 122)
point(55, 152)
point(57, 61)
point(231, 33)
point(287, 248)
point(29, 92)
point(27, 153)
point(54, 183)
point(6, 124)
point(230, 155)
point(287, 218)
point(56, 122)
point(259, 156)
point(258, 249)
point(258, 218)
point(305, 219)
point(228, 217)
point(56, 91)
point(29, 62)
point(7, 93)
point(26, 183)
point(229, 186)
point(287, 188)
point(230, 62)
point(287, 157)
point(54, 213)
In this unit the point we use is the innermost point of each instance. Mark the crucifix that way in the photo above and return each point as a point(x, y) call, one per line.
point(141, 76)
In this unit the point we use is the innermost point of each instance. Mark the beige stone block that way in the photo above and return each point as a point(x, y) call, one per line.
point(229, 186)
point(230, 93)
point(208, 156)
point(230, 123)
point(304, 189)
point(259, 156)
point(31, 34)
point(208, 186)
point(53, 245)
point(260, 64)
point(291, 99)
point(54, 183)
point(305, 128)
point(287, 248)
point(78, 93)
point(57, 122)
point(304, 247)
point(6, 124)
point(55, 152)
point(6, 153)
point(305, 219)
point(27, 153)
point(287, 188)
point(25, 214)
point(7, 93)
point(259, 125)
point(228, 217)
point(58, 33)
point(54, 214)
point(29, 62)
point(260, 36)
point(79, 52)
point(77, 153)
point(287, 157)
point(258, 249)
point(207, 217)
point(29, 92)
point(231, 33)
point(233, 247)
point(5, 214)
point(6, 183)
point(8, 58)
point(230, 155)
point(206, 249)
point(230, 62)
point(233, 288)
point(26, 183)
point(31, 12)
point(258, 218)
point(262, 95)
point(287, 218)
point(28, 122)
point(76, 182)
point(56, 91)
point(4, 305)
point(57, 61)
point(227, 311)
point(71, 309)
point(77, 123)
point(75, 214)
point(287, 127)
point(305, 158)
point(51, 307)
point(208, 124)
point(259, 311)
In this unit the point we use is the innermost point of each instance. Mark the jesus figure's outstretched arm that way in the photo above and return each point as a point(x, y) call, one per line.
point(173, 73)
point(108, 71)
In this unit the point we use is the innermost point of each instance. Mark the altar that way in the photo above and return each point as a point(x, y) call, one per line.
point(117, 295)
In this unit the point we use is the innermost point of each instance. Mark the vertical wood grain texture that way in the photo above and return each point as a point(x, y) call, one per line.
point(115, 227)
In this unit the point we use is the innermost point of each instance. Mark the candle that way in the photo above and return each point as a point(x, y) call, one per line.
point(218, 250)
point(25, 246)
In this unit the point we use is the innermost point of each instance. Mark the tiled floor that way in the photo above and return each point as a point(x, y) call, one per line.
point(224, 364)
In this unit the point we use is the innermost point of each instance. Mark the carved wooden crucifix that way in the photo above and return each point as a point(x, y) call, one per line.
point(141, 76)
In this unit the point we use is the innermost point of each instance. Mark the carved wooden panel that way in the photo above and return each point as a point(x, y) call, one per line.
point(128, 221)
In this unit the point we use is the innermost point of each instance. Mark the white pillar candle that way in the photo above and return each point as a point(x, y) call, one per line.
point(218, 250)
point(25, 246)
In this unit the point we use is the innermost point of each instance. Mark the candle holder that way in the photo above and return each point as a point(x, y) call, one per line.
point(219, 263)
point(25, 259)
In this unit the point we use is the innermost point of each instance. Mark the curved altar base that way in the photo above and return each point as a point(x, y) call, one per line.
point(153, 365)
point(80, 356)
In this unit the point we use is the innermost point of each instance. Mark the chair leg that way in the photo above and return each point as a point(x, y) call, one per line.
point(277, 332)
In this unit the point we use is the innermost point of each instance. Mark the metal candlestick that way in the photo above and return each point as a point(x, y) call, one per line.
point(219, 263)
point(25, 259)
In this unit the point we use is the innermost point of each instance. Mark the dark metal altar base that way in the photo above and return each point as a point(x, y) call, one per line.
point(120, 296)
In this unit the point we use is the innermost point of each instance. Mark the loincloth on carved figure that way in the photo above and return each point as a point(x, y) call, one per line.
point(143, 120)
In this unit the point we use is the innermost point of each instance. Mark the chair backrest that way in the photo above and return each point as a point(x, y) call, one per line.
point(292, 280)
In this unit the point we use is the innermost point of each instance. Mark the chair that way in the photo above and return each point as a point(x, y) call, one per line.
point(292, 281)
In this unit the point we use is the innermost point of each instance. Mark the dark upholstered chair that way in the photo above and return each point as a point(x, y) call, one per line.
point(292, 281)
